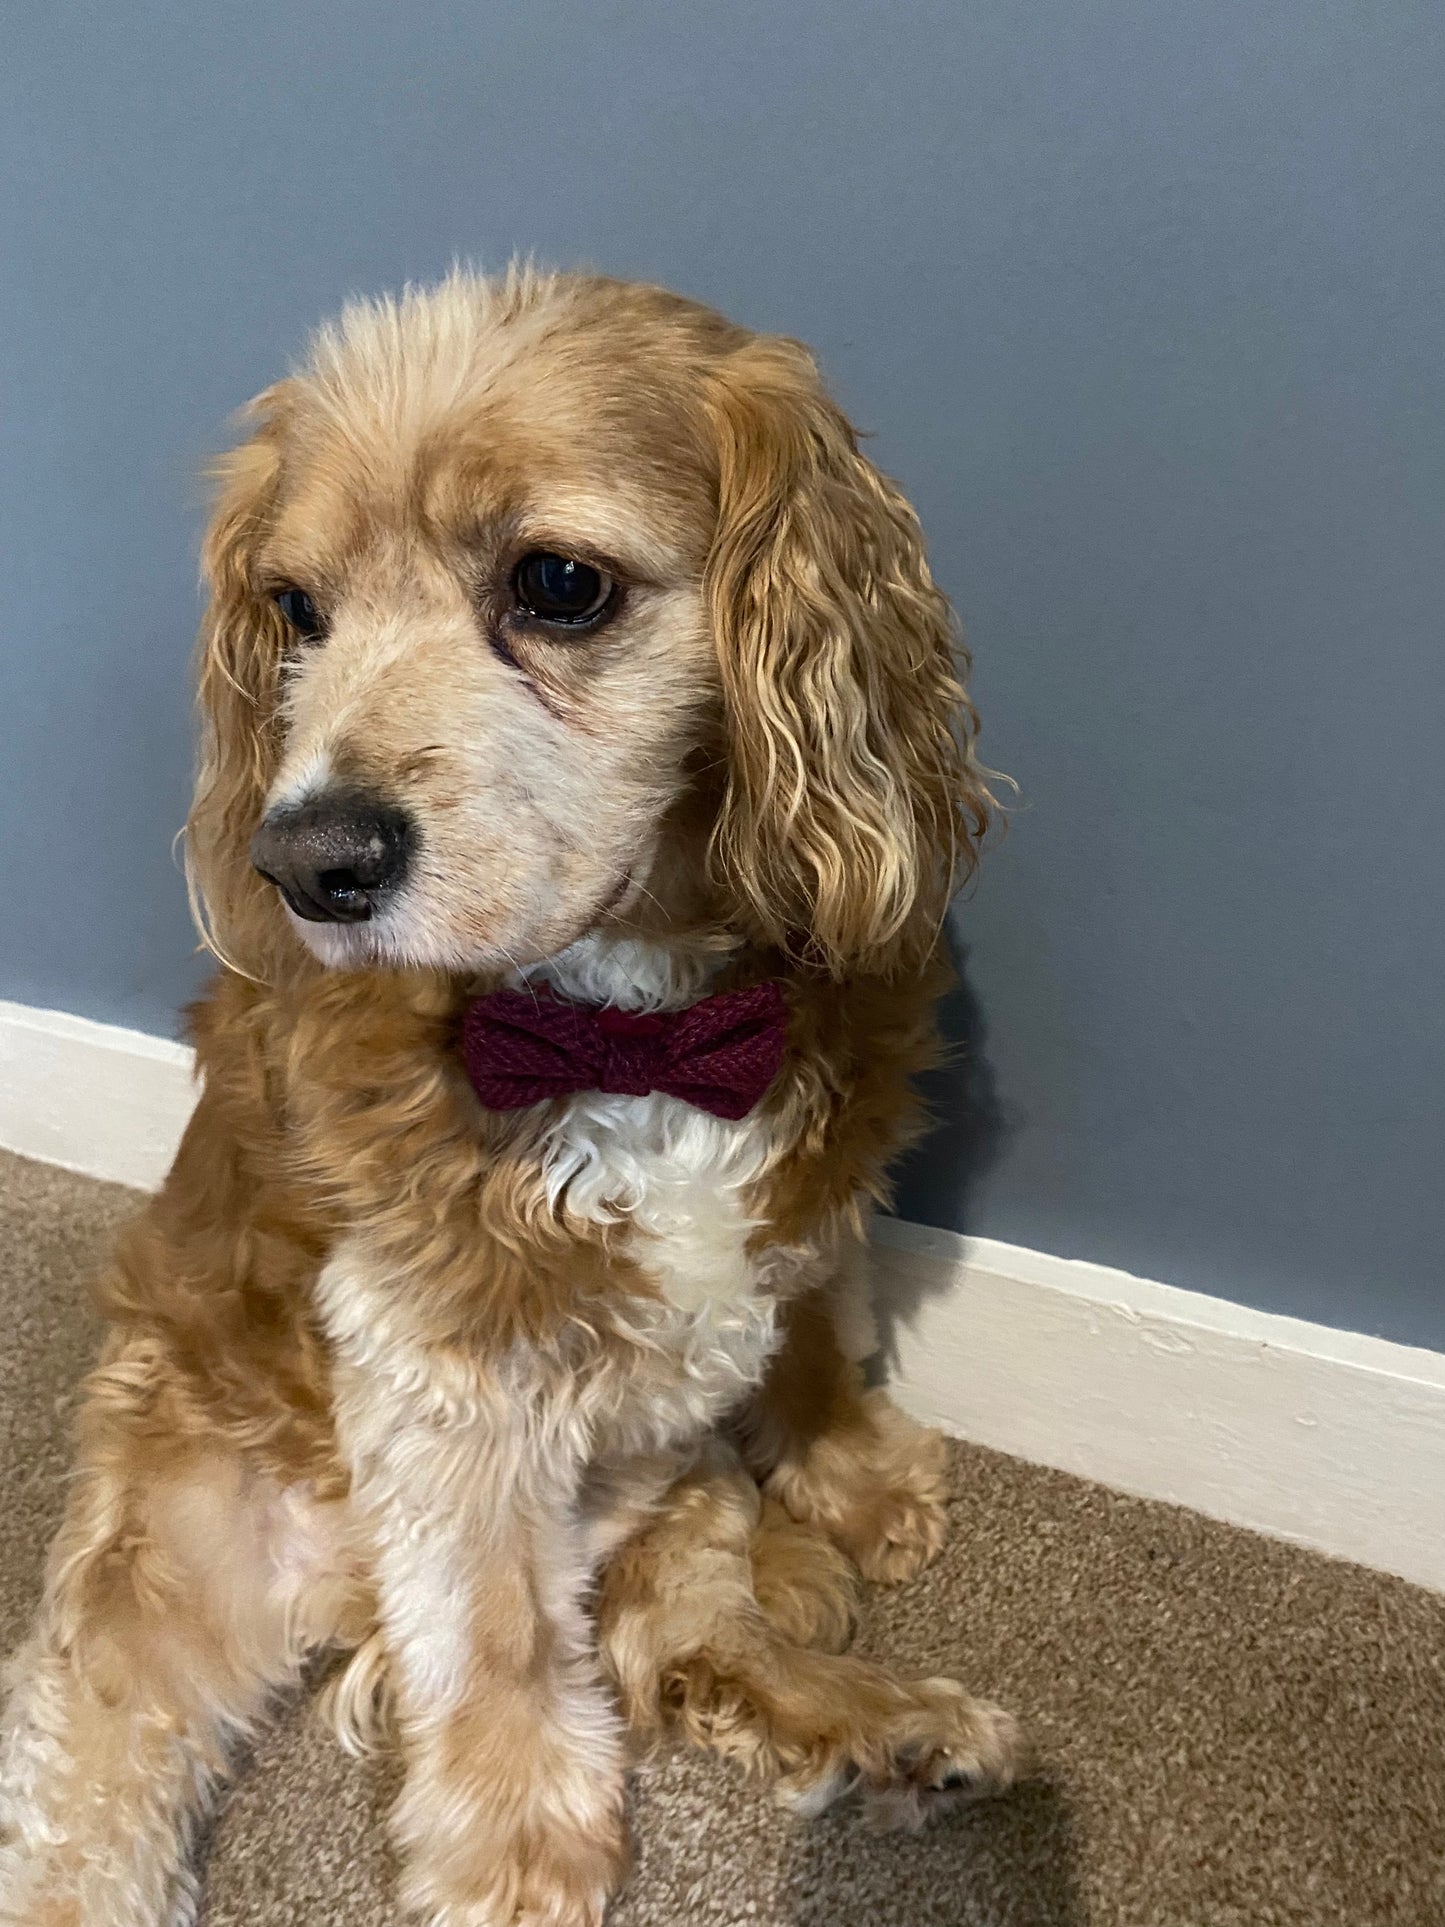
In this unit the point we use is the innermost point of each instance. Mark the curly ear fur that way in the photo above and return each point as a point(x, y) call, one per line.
point(853, 801)
point(238, 672)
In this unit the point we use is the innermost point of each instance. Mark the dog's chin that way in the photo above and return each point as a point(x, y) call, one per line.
point(340, 946)
point(396, 940)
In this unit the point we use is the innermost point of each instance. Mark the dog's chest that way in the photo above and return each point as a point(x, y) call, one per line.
point(679, 1182)
point(645, 1371)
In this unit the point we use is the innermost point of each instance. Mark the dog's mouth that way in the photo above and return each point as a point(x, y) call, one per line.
point(338, 902)
point(354, 929)
point(611, 901)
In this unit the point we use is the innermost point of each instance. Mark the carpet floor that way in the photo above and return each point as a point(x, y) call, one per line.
point(1231, 1733)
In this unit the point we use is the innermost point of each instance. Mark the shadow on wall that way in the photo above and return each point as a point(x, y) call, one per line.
point(969, 1133)
point(970, 1124)
point(1006, 1863)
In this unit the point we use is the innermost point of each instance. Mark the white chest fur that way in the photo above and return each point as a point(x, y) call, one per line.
point(679, 1180)
point(677, 1183)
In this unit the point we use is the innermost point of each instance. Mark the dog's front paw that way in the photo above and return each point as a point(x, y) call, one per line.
point(544, 1872)
point(894, 1533)
point(947, 1749)
point(908, 1749)
point(878, 1488)
point(549, 1875)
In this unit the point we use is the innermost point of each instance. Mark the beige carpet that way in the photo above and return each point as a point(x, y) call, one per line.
point(1233, 1734)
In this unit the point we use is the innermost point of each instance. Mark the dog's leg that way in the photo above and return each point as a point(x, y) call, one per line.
point(841, 1457)
point(691, 1647)
point(511, 1810)
point(807, 1588)
point(182, 1590)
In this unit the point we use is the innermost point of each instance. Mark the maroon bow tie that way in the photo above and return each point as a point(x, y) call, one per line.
point(721, 1054)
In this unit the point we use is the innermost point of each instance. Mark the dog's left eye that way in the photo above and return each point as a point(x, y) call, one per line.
point(301, 612)
point(555, 588)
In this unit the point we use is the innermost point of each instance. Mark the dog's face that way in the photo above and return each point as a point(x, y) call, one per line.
point(488, 556)
point(510, 582)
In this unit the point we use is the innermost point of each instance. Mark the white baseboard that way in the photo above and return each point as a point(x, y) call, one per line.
point(1329, 1439)
point(92, 1097)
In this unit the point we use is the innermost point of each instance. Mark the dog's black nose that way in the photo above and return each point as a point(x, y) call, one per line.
point(333, 857)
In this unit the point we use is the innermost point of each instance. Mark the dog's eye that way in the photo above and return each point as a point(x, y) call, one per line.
point(301, 612)
point(554, 588)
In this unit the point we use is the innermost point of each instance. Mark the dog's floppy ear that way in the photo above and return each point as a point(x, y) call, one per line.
point(238, 677)
point(853, 802)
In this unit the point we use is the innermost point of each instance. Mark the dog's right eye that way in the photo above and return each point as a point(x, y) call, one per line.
point(560, 591)
point(301, 612)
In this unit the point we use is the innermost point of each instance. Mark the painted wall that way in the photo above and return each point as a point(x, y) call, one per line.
point(1144, 303)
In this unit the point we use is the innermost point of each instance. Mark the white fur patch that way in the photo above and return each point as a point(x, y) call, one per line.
point(679, 1177)
point(681, 1180)
point(627, 972)
point(423, 1457)
point(464, 1478)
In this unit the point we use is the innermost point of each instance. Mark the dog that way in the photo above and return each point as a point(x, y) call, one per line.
point(585, 773)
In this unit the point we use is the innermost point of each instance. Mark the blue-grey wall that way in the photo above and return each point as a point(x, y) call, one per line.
point(1145, 303)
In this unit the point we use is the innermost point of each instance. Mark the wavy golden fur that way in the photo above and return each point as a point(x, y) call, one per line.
point(550, 1421)
point(854, 803)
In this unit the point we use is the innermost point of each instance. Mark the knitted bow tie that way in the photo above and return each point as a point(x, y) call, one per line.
point(720, 1054)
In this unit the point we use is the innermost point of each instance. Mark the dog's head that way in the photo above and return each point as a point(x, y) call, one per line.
point(553, 602)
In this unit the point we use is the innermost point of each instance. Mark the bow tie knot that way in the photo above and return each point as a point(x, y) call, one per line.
point(720, 1054)
point(631, 1057)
